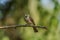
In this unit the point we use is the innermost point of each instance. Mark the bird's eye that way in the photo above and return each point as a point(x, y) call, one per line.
point(25, 16)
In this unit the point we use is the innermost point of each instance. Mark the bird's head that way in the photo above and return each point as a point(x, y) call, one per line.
point(26, 15)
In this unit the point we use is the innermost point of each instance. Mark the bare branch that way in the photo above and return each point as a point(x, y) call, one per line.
point(15, 26)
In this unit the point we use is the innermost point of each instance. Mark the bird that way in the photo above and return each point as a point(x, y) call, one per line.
point(29, 20)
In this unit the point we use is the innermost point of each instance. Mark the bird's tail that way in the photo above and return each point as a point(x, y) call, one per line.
point(35, 29)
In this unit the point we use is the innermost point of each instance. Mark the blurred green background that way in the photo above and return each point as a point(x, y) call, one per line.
point(44, 12)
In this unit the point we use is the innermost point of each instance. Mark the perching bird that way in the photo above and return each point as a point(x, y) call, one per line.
point(30, 21)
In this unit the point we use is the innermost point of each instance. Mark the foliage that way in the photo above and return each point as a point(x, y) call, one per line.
point(42, 16)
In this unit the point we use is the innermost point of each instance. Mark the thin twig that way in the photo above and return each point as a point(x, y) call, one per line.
point(15, 26)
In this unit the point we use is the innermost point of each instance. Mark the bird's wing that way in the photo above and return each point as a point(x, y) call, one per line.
point(32, 20)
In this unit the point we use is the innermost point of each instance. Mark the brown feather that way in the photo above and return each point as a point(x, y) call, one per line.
point(30, 20)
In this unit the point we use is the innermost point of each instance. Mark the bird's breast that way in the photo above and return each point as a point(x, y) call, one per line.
point(28, 20)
